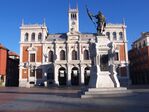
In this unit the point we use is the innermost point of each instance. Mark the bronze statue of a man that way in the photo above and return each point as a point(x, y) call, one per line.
point(100, 22)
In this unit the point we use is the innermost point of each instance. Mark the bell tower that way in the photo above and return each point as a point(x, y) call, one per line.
point(73, 18)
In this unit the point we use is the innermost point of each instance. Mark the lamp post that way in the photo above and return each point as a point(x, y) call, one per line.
point(32, 68)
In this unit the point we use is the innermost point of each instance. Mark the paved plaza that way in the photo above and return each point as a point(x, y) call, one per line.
point(68, 100)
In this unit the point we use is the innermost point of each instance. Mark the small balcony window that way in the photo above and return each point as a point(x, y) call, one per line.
point(32, 57)
point(33, 37)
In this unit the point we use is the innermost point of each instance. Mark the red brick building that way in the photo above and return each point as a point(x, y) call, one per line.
point(3, 63)
point(139, 60)
point(9, 62)
point(12, 77)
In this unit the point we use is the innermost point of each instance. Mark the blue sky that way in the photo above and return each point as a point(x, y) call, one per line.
point(135, 12)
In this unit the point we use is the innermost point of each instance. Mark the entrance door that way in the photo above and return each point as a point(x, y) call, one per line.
point(62, 76)
point(75, 76)
point(87, 75)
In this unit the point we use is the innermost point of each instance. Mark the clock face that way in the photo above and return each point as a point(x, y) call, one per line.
point(73, 23)
point(72, 29)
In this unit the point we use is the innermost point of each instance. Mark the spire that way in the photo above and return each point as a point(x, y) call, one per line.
point(77, 4)
point(22, 22)
point(123, 22)
point(68, 4)
point(44, 22)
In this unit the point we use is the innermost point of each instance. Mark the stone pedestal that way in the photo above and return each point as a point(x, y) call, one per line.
point(100, 79)
point(103, 72)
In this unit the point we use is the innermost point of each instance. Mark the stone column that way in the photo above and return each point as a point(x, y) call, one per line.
point(55, 51)
point(80, 51)
point(67, 51)
point(68, 75)
point(56, 82)
point(82, 75)
point(20, 76)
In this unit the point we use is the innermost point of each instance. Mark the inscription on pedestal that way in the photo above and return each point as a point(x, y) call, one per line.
point(104, 62)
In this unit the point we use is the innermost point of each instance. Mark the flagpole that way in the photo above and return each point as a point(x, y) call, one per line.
point(90, 16)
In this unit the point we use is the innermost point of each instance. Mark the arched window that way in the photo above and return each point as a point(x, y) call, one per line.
point(74, 55)
point(33, 37)
point(71, 16)
point(121, 36)
point(39, 37)
point(108, 35)
point(86, 55)
point(26, 37)
point(51, 56)
point(75, 16)
point(62, 55)
point(114, 36)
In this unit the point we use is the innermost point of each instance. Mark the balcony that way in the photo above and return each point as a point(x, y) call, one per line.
point(60, 61)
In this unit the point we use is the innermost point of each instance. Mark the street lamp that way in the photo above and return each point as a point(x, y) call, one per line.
point(32, 68)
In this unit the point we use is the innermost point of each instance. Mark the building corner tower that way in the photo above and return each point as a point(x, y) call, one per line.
point(73, 19)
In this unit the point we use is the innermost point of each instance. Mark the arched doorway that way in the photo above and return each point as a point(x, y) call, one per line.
point(86, 75)
point(75, 76)
point(62, 76)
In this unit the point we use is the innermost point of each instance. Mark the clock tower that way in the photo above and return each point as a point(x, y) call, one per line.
point(73, 19)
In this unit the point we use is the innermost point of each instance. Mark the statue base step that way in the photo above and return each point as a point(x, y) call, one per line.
point(106, 92)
